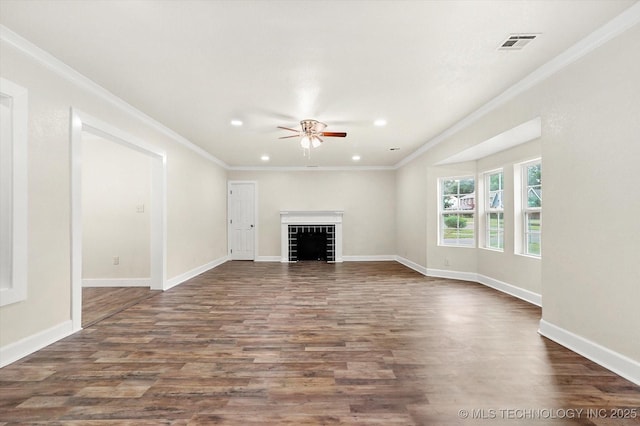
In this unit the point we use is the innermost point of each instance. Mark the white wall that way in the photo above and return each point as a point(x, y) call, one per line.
point(367, 198)
point(591, 153)
point(196, 210)
point(116, 202)
point(196, 196)
point(589, 274)
point(411, 212)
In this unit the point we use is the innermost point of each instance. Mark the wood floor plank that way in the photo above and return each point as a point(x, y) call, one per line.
point(99, 303)
point(313, 343)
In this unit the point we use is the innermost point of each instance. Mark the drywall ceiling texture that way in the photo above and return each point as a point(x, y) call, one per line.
point(196, 65)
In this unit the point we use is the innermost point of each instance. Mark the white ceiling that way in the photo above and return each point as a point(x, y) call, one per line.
point(196, 65)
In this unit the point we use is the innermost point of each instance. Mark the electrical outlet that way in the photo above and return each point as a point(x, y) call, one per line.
point(446, 261)
point(116, 260)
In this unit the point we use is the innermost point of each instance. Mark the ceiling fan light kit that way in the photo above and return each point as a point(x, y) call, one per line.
point(310, 133)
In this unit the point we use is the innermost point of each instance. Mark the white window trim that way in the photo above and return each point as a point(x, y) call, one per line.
point(486, 210)
point(17, 208)
point(442, 212)
point(521, 208)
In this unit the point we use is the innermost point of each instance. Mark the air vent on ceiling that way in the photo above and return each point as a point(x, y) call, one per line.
point(517, 41)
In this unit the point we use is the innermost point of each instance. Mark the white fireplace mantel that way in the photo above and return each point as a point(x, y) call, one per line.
point(307, 217)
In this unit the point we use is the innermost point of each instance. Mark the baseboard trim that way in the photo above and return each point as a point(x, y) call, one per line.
point(512, 290)
point(116, 282)
point(179, 279)
point(267, 259)
point(369, 258)
point(411, 265)
point(15, 351)
point(613, 361)
point(453, 275)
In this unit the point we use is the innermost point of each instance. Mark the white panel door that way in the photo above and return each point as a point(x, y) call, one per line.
point(242, 220)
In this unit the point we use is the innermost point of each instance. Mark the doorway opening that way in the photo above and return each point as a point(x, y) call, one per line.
point(82, 127)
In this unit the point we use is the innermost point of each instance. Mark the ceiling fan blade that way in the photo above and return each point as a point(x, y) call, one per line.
point(288, 128)
point(287, 137)
point(334, 134)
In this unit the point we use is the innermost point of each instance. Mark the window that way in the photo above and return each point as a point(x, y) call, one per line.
point(13, 193)
point(457, 208)
point(532, 208)
point(494, 210)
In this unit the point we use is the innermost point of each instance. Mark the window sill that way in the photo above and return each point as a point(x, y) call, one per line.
point(530, 256)
point(495, 250)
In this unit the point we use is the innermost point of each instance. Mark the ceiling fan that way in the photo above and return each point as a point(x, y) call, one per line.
point(310, 132)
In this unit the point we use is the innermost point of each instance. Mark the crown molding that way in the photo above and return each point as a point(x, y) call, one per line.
point(310, 169)
point(65, 71)
point(608, 31)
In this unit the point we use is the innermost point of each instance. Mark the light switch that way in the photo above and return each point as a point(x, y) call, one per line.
point(140, 208)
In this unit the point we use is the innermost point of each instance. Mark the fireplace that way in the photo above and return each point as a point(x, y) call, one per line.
point(312, 242)
point(311, 235)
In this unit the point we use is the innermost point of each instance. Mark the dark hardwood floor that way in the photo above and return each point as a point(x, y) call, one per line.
point(99, 303)
point(314, 343)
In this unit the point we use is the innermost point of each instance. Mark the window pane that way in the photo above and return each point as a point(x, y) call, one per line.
point(467, 186)
point(458, 229)
point(449, 202)
point(467, 202)
point(495, 230)
point(495, 181)
point(466, 229)
point(534, 196)
point(449, 186)
point(533, 243)
point(534, 175)
point(533, 222)
point(495, 200)
point(457, 196)
point(533, 234)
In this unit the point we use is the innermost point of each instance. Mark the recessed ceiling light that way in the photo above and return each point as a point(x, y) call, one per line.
point(236, 122)
point(380, 122)
point(265, 158)
point(356, 158)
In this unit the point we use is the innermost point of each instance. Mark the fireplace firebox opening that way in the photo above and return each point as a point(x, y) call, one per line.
point(312, 242)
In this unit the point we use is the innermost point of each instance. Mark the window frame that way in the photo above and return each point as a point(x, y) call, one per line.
point(13, 260)
point(525, 211)
point(488, 211)
point(442, 212)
